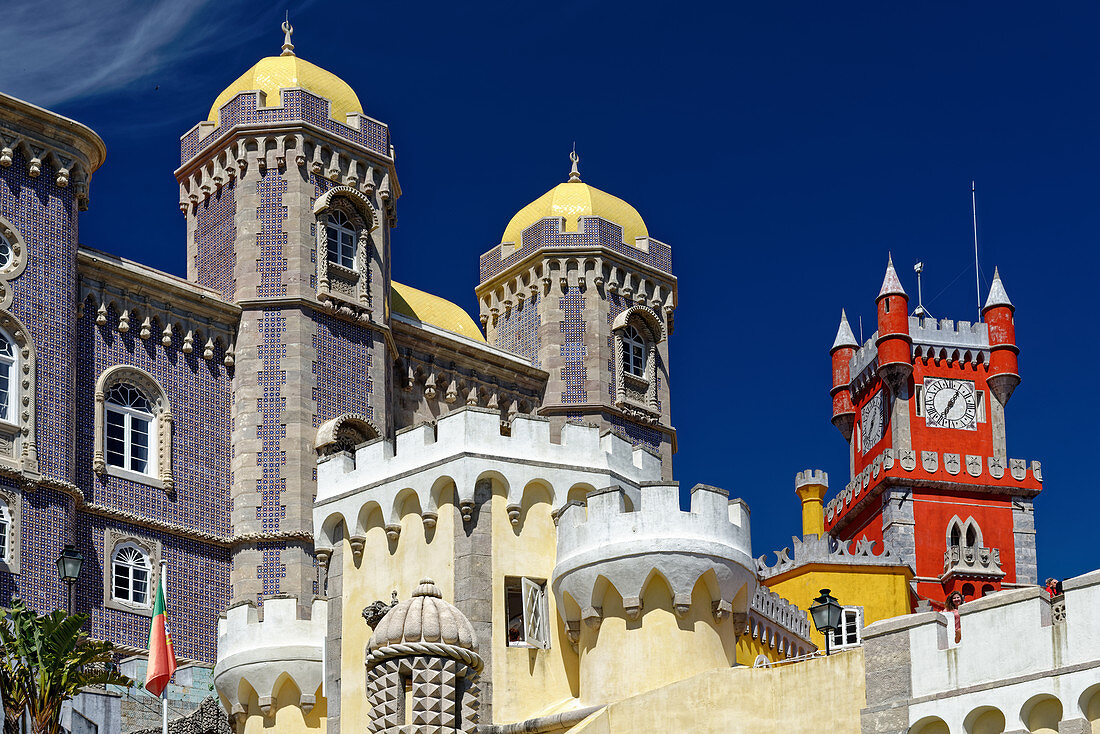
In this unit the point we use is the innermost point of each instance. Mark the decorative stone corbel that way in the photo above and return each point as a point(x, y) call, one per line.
point(101, 315)
point(721, 609)
point(740, 623)
point(452, 392)
point(208, 349)
point(324, 555)
point(357, 544)
point(513, 514)
point(429, 386)
point(393, 532)
point(308, 701)
point(430, 518)
point(471, 397)
point(239, 715)
point(146, 328)
point(266, 705)
point(166, 336)
point(681, 604)
point(632, 607)
point(230, 356)
point(593, 617)
point(188, 342)
point(124, 322)
point(466, 507)
point(316, 166)
point(573, 631)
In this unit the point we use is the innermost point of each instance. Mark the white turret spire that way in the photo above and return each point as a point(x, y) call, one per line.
point(890, 284)
point(997, 294)
point(844, 335)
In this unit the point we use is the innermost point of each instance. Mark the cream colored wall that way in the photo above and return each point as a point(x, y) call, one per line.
point(526, 681)
point(883, 592)
point(748, 648)
point(626, 657)
point(822, 694)
point(386, 567)
point(286, 717)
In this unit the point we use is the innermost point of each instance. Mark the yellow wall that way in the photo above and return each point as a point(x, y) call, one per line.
point(286, 717)
point(526, 681)
point(749, 647)
point(822, 694)
point(883, 592)
point(386, 567)
point(626, 657)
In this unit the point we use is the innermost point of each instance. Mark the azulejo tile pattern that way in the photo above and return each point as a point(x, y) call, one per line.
point(46, 218)
point(574, 374)
point(271, 570)
point(592, 232)
point(215, 236)
point(638, 435)
point(342, 369)
point(271, 240)
point(298, 105)
point(518, 331)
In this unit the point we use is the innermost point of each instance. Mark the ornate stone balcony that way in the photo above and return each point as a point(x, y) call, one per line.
point(968, 560)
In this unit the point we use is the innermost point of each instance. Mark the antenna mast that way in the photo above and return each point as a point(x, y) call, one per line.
point(921, 311)
point(974, 216)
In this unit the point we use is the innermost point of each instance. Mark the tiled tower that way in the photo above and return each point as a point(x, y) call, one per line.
point(578, 287)
point(922, 405)
point(289, 193)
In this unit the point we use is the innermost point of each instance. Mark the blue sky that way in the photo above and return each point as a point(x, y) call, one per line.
point(782, 149)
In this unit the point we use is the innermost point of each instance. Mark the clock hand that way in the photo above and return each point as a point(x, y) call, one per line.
point(951, 402)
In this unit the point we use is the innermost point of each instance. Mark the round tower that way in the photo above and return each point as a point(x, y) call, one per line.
point(811, 486)
point(895, 346)
point(844, 346)
point(1004, 369)
point(422, 667)
point(637, 589)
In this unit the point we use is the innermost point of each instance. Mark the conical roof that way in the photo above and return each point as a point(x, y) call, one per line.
point(997, 294)
point(424, 617)
point(844, 335)
point(891, 286)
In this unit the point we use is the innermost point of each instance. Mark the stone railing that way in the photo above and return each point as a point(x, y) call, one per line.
point(972, 560)
point(827, 549)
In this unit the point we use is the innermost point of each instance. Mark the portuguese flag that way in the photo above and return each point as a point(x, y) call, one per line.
point(162, 659)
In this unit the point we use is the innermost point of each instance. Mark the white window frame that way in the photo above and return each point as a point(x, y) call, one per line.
point(980, 400)
point(634, 352)
point(126, 546)
point(130, 416)
point(11, 362)
point(535, 612)
point(158, 472)
point(839, 639)
point(344, 251)
point(6, 534)
point(918, 397)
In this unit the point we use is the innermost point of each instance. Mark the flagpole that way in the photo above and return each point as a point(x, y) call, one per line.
point(164, 693)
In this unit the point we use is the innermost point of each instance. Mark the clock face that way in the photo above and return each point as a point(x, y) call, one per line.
point(950, 403)
point(872, 419)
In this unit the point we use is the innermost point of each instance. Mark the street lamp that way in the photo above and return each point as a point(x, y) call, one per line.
point(826, 612)
point(68, 569)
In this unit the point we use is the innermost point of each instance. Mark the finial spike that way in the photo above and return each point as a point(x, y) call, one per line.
point(890, 284)
point(288, 47)
point(575, 174)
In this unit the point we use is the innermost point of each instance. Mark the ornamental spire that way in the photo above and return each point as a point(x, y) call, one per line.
point(575, 174)
point(891, 285)
point(288, 47)
point(844, 335)
point(997, 294)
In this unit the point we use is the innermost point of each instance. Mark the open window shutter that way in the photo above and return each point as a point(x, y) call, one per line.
point(536, 631)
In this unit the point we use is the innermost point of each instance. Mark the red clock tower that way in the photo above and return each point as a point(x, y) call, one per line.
point(922, 406)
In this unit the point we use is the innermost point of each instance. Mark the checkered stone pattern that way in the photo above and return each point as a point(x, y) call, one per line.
point(574, 374)
point(445, 696)
point(271, 458)
point(215, 235)
point(298, 105)
point(592, 232)
point(271, 571)
point(199, 393)
point(198, 589)
point(271, 241)
point(43, 301)
point(518, 331)
point(342, 370)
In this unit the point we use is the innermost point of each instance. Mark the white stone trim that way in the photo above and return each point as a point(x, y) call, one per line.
point(13, 501)
point(18, 260)
point(115, 540)
point(160, 460)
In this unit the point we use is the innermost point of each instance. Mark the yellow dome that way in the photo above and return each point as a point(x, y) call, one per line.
point(274, 73)
point(429, 309)
point(573, 200)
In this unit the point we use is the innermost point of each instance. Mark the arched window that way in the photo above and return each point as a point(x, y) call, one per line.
point(129, 424)
point(8, 379)
point(633, 352)
point(971, 536)
point(956, 534)
point(130, 571)
point(341, 240)
point(5, 533)
point(7, 252)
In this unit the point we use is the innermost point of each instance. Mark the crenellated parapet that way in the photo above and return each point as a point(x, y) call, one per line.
point(948, 341)
point(779, 624)
point(1015, 477)
point(259, 655)
point(614, 542)
point(828, 550)
point(422, 466)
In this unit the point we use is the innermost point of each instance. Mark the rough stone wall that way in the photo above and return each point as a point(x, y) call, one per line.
point(473, 584)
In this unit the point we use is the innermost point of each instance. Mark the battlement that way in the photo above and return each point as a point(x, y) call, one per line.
point(257, 652)
point(771, 606)
point(958, 341)
point(931, 468)
point(826, 549)
point(811, 477)
point(611, 541)
point(466, 446)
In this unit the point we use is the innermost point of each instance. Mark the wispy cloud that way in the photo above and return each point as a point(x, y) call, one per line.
point(53, 52)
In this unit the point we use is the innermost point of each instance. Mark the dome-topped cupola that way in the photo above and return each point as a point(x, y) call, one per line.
point(272, 74)
point(424, 618)
point(571, 201)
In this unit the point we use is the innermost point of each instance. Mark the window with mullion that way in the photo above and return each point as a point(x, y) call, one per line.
point(341, 240)
point(127, 444)
point(633, 352)
point(7, 361)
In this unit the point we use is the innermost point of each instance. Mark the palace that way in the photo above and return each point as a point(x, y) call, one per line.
point(381, 514)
